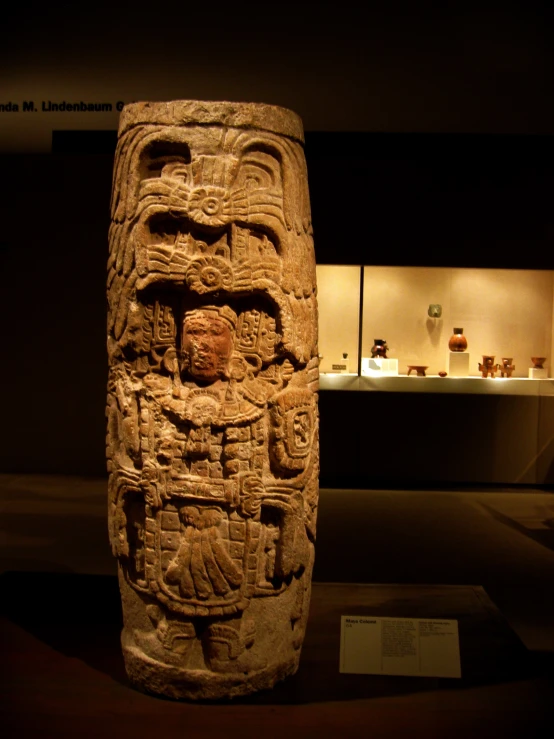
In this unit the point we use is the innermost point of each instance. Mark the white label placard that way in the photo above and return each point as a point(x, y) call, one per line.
point(427, 647)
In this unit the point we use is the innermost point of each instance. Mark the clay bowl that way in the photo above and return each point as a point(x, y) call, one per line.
point(419, 368)
point(538, 361)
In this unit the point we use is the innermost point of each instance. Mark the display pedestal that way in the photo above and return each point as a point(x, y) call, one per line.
point(458, 364)
point(536, 373)
point(379, 367)
point(74, 656)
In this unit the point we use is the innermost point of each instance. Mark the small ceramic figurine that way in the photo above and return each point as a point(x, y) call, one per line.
point(379, 348)
point(506, 367)
point(488, 367)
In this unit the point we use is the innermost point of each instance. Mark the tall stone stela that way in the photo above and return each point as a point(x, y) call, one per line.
point(212, 395)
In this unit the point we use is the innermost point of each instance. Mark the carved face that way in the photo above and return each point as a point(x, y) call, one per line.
point(207, 345)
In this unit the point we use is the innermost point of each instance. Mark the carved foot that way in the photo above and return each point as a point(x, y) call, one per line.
point(226, 649)
point(174, 636)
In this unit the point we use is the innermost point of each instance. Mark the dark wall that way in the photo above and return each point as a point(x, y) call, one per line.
point(53, 254)
point(403, 440)
point(443, 200)
point(448, 200)
point(396, 66)
point(376, 199)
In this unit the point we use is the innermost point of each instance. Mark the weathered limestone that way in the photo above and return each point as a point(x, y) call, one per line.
point(212, 397)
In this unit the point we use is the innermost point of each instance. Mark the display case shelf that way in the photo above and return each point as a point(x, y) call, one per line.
point(436, 384)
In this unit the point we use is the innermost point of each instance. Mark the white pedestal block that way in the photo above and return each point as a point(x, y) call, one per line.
point(538, 374)
point(379, 367)
point(458, 364)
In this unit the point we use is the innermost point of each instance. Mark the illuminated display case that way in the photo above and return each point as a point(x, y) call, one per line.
point(504, 313)
point(339, 303)
point(413, 429)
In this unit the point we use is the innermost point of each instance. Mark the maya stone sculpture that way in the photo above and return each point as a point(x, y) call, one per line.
point(212, 397)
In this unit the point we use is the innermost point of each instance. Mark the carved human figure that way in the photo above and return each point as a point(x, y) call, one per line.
point(212, 396)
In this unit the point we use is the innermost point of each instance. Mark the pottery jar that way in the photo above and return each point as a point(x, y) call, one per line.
point(458, 342)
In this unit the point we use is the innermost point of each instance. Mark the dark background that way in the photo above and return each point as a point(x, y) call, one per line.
point(395, 66)
point(429, 142)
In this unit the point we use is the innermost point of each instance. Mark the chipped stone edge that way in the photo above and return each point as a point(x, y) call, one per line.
point(156, 678)
point(259, 116)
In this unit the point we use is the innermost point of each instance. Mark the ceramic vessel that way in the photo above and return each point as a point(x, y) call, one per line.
point(379, 348)
point(458, 342)
point(538, 362)
point(418, 368)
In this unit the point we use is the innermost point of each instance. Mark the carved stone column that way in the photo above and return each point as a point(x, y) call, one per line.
point(212, 396)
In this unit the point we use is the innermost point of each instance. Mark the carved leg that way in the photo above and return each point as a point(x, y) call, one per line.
point(174, 635)
point(227, 644)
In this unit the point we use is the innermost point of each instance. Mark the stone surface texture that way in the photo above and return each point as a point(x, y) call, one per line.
point(212, 414)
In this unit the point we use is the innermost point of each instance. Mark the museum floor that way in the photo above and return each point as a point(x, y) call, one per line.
point(417, 552)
